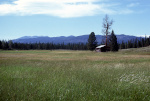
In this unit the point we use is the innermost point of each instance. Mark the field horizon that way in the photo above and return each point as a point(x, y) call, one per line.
point(66, 75)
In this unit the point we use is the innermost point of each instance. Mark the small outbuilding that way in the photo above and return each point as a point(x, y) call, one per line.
point(102, 48)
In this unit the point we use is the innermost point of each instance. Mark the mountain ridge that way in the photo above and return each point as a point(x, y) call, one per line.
point(69, 39)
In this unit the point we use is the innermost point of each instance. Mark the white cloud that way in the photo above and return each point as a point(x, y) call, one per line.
point(60, 8)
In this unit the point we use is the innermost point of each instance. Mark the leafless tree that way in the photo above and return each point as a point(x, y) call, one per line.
point(106, 27)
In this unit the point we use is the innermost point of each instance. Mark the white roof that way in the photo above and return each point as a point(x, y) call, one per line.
point(100, 46)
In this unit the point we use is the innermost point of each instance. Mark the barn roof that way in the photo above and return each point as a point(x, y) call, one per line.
point(100, 46)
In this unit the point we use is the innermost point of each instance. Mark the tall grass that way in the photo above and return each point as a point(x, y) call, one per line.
point(74, 75)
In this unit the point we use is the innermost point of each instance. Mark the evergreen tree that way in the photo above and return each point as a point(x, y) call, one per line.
point(130, 45)
point(92, 43)
point(122, 45)
point(10, 43)
point(0, 44)
point(147, 42)
point(139, 43)
point(143, 42)
point(126, 45)
point(5, 45)
point(113, 42)
point(135, 43)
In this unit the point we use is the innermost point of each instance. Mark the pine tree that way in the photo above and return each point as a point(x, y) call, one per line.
point(130, 45)
point(139, 44)
point(5, 45)
point(122, 45)
point(113, 42)
point(143, 42)
point(135, 43)
point(10, 43)
point(92, 43)
point(0, 44)
point(147, 42)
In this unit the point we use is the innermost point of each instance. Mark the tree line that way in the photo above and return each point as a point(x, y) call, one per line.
point(135, 43)
point(90, 45)
point(9, 45)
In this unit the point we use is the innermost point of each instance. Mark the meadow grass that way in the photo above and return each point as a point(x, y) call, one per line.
point(74, 75)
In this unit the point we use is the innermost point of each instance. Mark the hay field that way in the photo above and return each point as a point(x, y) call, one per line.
point(61, 75)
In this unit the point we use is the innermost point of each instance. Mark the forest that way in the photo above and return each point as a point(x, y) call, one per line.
point(9, 45)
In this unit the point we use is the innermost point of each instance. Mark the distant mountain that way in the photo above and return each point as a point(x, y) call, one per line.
point(28, 37)
point(69, 39)
point(125, 38)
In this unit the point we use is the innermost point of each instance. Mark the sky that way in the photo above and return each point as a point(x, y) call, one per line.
point(72, 17)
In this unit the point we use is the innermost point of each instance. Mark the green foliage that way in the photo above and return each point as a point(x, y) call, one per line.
point(10, 43)
point(136, 43)
point(0, 44)
point(92, 43)
point(122, 45)
point(147, 42)
point(113, 42)
point(5, 45)
point(139, 43)
point(41, 46)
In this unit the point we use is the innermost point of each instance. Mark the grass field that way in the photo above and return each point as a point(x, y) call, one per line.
point(75, 75)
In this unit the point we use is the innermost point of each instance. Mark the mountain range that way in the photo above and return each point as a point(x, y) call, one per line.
point(69, 39)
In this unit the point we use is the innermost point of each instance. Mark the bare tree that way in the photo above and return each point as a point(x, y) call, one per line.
point(106, 27)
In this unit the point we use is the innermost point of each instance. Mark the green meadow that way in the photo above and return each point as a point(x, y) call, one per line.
point(65, 75)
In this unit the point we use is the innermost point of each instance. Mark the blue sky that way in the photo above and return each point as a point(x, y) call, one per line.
point(72, 17)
